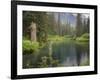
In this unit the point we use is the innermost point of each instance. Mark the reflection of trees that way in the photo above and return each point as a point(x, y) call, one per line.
point(78, 54)
point(81, 51)
point(60, 51)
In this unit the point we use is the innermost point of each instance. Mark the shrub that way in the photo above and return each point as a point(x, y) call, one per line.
point(86, 35)
point(30, 47)
point(85, 63)
point(48, 62)
point(83, 38)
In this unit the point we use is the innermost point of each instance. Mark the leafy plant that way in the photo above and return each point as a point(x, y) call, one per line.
point(30, 47)
point(48, 62)
point(84, 37)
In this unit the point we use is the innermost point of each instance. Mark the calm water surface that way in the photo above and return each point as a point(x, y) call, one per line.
point(66, 53)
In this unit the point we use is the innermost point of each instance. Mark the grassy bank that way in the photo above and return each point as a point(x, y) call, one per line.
point(32, 47)
point(83, 38)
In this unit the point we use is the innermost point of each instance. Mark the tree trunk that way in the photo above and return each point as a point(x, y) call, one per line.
point(33, 31)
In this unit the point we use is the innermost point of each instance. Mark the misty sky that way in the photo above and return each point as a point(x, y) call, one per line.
point(70, 18)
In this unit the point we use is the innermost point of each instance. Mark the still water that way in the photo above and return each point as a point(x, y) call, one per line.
point(65, 54)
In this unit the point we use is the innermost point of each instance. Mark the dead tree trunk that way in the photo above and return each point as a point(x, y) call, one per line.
point(33, 31)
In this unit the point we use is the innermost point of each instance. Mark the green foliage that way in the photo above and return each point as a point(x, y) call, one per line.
point(43, 63)
point(55, 63)
point(56, 38)
point(85, 63)
point(50, 29)
point(48, 62)
point(85, 35)
point(59, 39)
point(40, 18)
point(83, 38)
point(30, 47)
point(68, 36)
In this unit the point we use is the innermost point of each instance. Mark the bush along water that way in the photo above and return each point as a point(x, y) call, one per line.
point(48, 62)
point(30, 47)
point(83, 38)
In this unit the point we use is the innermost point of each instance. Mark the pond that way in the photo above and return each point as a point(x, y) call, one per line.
point(59, 54)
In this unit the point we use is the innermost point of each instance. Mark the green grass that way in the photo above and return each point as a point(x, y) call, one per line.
point(32, 47)
point(58, 39)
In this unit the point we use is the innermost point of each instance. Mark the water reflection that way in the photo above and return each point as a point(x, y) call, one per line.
point(59, 54)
